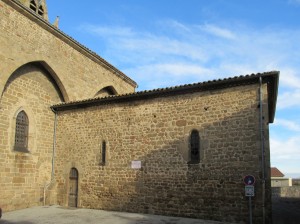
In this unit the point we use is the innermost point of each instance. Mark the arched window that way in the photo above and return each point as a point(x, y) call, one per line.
point(103, 152)
point(107, 91)
point(73, 188)
point(21, 134)
point(73, 173)
point(32, 5)
point(195, 147)
point(41, 11)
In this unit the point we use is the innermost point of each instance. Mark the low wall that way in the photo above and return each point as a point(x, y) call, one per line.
point(286, 192)
point(296, 182)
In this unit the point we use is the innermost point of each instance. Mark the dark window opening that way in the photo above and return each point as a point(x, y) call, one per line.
point(73, 173)
point(103, 152)
point(32, 5)
point(41, 11)
point(195, 147)
point(21, 135)
point(107, 91)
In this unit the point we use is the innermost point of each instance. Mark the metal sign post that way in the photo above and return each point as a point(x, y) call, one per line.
point(249, 192)
point(250, 210)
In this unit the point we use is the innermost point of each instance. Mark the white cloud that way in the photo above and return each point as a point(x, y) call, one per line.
point(285, 150)
point(294, 1)
point(290, 125)
point(169, 74)
point(179, 53)
point(106, 32)
point(290, 82)
point(285, 155)
point(160, 46)
point(218, 31)
point(219, 51)
point(176, 25)
point(181, 69)
point(289, 99)
point(290, 78)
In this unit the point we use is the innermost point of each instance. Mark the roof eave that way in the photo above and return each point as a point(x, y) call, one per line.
point(271, 78)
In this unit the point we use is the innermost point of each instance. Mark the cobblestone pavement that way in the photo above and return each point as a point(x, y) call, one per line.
point(61, 215)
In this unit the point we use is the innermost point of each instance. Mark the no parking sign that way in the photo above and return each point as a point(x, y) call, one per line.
point(249, 181)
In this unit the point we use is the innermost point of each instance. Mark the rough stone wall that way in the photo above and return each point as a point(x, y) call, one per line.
point(296, 182)
point(156, 132)
point(25, 38)
point(39, 67)
point(23, 175)
point(286, 192)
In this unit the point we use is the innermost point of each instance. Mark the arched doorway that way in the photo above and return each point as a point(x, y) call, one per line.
point(73, 187)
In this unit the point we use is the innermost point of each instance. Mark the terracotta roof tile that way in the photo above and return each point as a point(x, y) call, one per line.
point(276, 172)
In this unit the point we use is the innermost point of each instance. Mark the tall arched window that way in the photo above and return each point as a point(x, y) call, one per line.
point(41, 11)
point(21, 133)
point(32, 5)
point(103, 152)
point(195, 147)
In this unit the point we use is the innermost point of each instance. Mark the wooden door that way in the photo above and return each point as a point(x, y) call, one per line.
point(73, 188)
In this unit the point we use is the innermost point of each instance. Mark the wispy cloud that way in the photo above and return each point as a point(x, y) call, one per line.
point(172, 73)
point(105, 31)
point(287, 124)
point(294, 2)
point(176, 25)
point(290, 77)
point(289, 99)
point(178, 53)
point(218, 31)
point(286, 150)
point(286, 153)
point(220, 51)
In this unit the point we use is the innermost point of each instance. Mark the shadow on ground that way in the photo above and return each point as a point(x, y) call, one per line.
point(3, 221)
point(286, 210)
point(61, 215)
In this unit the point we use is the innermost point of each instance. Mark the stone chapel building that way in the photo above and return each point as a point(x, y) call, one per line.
point(74, 132)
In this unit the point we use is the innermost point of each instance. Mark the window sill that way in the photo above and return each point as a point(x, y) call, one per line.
point(22, 150)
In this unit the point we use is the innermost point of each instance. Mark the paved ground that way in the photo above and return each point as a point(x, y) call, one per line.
point(61, 215)
point(286, 210)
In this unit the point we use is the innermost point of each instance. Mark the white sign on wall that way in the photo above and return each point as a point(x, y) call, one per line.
point(249, 191)
point(136, 164)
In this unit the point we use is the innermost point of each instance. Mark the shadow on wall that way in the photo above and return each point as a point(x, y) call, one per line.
point(33, 90)
point(167, 185)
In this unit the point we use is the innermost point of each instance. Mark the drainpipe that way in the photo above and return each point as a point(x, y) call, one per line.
point(262, 145)
point(47, 185)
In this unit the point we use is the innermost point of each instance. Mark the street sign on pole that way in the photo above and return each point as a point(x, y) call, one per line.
point(249, 191)
point(249, 180)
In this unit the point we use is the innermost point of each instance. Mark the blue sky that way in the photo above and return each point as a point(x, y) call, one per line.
point(161, 43)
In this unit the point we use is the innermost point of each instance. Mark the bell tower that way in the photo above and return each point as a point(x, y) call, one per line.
point(38, 6)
